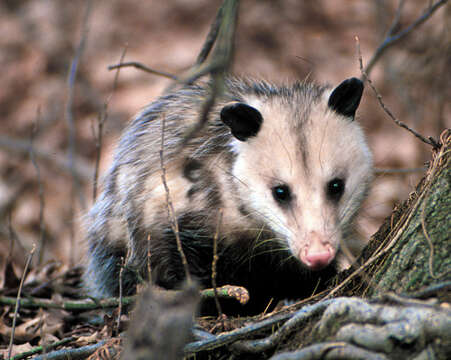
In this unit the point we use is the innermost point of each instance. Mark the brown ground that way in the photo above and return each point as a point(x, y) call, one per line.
point(277, 40)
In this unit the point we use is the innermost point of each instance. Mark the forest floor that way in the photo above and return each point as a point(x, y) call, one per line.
point(279, 41)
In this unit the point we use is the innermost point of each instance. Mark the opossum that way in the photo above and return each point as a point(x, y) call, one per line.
point(286, 168)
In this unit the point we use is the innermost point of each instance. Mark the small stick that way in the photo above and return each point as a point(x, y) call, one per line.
point(238, 293)
point(171, 212)
point(429, 141)
point(75, 305)
point(215, 89)
point(69, 108)
point(214, 262)
point(76, 186)
point(19, 147)
point(76, 353)
point(13, 237)
point(101, 120)
point(16, 309)
point(379, 171)
point(391, 38)
point(43, 348)
point(222, 36)
point(149, 269)
point(42, 239)
point(211, 37)
point(121, 270)
point(145, 68)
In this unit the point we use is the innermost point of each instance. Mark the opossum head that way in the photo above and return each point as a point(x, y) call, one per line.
point(302, 164)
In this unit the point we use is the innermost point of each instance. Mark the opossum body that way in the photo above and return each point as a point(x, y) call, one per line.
point(286, 166)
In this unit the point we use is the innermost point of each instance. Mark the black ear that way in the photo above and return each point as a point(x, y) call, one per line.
point(345, 98)
point(243, 120)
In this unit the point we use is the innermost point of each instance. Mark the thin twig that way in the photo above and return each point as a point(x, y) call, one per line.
point(214, 262)
point(219, 62)
point(16, 309)
point(76, 187)
point(101, 120)
point(76, 353)
point(392, 38)
point(74, 305)
point(379, 171)
point(211, 37)
point(41, 330)
point(215, 89)
point(238, 293)
point(145, 68)
point(429, 141)
point(13, 237)
point(395, 23)
point(69, 106)
point(82, 169)
point(171, 213)
point(119, 312)
point(43, 348)
point(149, 268)
point(41, 191)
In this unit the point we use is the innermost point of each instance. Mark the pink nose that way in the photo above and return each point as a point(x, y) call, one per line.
point(318, 260)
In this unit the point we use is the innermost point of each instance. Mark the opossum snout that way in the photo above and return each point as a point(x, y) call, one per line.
point(318, 253)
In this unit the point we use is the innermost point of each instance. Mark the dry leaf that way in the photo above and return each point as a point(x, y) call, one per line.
point(48, 339)
point(17, 349)
point(86, 340)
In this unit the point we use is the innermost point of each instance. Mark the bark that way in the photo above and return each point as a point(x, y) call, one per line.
point(412, 249)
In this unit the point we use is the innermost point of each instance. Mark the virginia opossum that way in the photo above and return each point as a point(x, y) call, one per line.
point(287, 166)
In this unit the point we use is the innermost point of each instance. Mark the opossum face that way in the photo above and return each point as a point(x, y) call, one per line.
point(302, 166)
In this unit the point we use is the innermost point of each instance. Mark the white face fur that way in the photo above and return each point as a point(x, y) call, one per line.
point(304, 173)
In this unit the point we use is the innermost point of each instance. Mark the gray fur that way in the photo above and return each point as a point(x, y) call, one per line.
point(121, 205)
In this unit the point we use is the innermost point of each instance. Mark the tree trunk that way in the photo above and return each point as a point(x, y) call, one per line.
point(412, 249)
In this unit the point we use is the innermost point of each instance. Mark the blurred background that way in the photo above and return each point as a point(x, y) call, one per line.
point(275, 40)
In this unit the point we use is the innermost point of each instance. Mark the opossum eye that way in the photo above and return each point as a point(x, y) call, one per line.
point(281, 193)
point(345, 98)
point(335, 189)
point(243, 120)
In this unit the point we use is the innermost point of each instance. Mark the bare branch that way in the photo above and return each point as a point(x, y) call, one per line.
point(101, 120)
point(211, 37)
point(76, 187)
point(16, 310)
point(144, 68)
point(429, 141)
point(219, 63)
point(119, 312)
point(171, 213)
point(215, 260)
point(238, 293)
point(379, 171)
point(44, 348)
point(41, 192)
point(70, 100)
point(81, 169)
point(149, 268)
point(392, 38)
